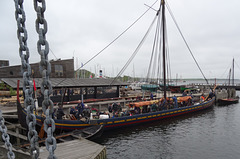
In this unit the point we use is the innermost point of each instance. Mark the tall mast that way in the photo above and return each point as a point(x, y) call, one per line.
point(229, 79)
point(164, 57)
point(233, 73)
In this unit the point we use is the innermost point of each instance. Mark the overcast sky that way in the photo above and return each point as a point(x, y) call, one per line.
point(82, 28)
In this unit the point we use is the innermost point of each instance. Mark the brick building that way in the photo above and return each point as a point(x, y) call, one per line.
point(4, 63)
point(59, 69)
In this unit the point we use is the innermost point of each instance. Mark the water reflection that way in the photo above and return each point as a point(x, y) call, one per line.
point(213, 133)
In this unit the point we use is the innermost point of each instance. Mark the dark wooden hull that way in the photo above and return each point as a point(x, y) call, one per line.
point(228, 101)
point(175, 89)
point(90, 133)
point(119, 122)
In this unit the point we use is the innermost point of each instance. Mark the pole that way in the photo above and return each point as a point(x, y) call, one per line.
point(233, 73)
point(163, 49)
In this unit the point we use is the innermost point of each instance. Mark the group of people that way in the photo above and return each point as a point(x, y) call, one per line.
point(81, 111)
point(162, 104)
point(115, 109)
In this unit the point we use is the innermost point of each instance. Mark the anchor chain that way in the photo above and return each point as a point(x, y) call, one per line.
point(27, 82)
point(6, 138)
point(45, 68)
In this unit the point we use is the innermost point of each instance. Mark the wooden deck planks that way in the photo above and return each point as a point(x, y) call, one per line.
point(76, 149)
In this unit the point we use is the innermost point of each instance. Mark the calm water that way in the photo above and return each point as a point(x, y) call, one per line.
point(213, 133)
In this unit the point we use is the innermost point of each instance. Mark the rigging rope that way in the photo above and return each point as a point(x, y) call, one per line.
point(27, 82)
point(135, 52)
point(171, 13)
point(117, 36)
point(155, 45)
point(45, 68)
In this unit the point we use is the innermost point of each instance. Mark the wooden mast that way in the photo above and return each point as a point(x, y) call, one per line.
point(229, 78)
point(163, 49)
point(233, 73)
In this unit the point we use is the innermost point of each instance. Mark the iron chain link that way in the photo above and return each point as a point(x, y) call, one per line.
point(45, 68)
point(27, 82)
point(6, 138)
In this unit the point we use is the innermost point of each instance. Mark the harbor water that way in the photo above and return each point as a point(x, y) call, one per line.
point(212, 133)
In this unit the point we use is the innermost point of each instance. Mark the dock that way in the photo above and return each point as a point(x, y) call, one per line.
point(74, 149)
point(69, 145)
point(77, 149)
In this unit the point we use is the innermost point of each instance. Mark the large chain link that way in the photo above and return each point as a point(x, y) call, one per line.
point(45, 68)
point(6, 138)
point(27, 82)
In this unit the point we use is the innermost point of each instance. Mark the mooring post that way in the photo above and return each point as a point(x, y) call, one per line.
point(18, 139)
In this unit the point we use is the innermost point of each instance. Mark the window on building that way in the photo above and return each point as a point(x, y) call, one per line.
point(59, 70)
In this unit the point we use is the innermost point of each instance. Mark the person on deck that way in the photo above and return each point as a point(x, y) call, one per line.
point(110, 108)
point(73, 111)
point(192, 101)
point(154, 107)
point(202, 98)
point(60, 112)
point(114, 107)
point(184, 93)
point(148, 108)
point(86, 113)
point(163, 104)
point(175, 101)
point(211, 95)
point(151, 96)
point(80, 108)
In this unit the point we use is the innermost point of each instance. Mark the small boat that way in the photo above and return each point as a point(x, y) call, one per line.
point(91, 132)
point(232, 98)
point(228, 101)
point(175, 89)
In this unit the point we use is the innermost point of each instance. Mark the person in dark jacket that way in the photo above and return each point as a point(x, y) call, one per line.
point(114, 107)
point(80, 108)
point(60, 112)
point(86, 113)
point(151, 96)
point(73, 111)
point(110, 108)
point(175, 101)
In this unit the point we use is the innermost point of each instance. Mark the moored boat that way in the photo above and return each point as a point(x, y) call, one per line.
point(137, 118)
point(228, 101)
point(118, 122)
point(231, 93)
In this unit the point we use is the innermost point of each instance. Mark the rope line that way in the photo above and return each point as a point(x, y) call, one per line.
point(117, 36)
point(171, 13)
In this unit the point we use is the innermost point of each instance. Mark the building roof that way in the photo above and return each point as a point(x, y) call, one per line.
point(67, 82)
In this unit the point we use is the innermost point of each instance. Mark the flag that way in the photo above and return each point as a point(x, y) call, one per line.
point(34, 85)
